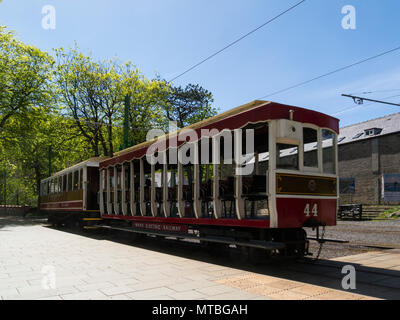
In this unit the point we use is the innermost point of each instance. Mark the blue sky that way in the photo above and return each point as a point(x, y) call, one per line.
point(168, 36)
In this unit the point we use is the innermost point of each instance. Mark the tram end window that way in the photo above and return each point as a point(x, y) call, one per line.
point(287, 156)
point(80, 179)
point(310, 142)
point(328, 151)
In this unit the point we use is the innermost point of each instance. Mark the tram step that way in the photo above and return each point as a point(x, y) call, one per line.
point(267, 245)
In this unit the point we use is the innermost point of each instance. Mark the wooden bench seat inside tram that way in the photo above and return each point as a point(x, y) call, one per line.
point(227, 197)
point(254, 191)
point(255, 185)
point(187, 193)
point(172, 194)
point(206, 190)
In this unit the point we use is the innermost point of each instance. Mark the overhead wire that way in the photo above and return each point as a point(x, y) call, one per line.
point(236, 41)
point(330, 73)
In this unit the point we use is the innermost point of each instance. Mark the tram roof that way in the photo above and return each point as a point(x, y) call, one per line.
point(252, 112)
point(91, 162)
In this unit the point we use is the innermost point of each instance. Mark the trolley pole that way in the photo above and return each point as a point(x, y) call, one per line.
point(360, 100)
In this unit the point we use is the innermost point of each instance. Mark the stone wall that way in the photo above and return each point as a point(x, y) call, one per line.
point(13, 210)
point(366, 161)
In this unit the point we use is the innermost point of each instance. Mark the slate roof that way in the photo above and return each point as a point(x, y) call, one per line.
point(356, 132)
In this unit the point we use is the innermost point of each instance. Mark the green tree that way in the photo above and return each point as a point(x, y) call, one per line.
point(94, 93)
point(25, 75)
point(188, 105)
point(26, 150)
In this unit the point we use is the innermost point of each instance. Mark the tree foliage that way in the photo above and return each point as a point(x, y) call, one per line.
point(70, 108)
point(189, 105)
point(93, 93)
point(25, 75)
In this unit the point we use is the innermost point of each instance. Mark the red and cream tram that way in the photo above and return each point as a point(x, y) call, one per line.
point(71, 194)
point(254, 176)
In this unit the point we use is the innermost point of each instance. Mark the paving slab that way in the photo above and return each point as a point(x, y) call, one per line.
point(85, 267)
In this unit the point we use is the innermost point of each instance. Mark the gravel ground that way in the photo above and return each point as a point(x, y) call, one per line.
point(374, 233)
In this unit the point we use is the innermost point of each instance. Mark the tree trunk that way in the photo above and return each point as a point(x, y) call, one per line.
point(110, 138)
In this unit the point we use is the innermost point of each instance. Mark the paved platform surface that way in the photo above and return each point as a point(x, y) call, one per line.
point(38, 262)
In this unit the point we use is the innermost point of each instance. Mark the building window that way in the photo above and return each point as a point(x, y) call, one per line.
point(373, 131)
point(369, 132)
point(358, 135)
point(347, 186)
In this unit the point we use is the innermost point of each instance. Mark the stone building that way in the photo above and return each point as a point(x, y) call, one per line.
point(369, 161)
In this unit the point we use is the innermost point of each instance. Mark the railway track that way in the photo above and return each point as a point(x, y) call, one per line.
point(348, 243)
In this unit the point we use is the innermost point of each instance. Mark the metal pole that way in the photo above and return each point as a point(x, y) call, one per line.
point(360, 100)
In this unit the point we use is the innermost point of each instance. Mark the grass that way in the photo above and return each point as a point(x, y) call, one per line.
point(387, 213)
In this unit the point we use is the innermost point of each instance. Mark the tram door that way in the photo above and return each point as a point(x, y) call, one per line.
point(92, 187)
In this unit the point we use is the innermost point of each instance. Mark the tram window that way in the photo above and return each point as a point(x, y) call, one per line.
point(69, 181)
point(119, 170)
point(127, 173)
point(287, 156)
point(104, 173)
point(76, 179)
point(111, 177)
point(226, 170)
point(172, 176)
point(158, 178)
point(310, 142)
point(80, 178)
point(262, 164)
point(328, 151)
point(64, 189)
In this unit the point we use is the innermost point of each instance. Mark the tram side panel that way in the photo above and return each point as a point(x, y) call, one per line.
point(304, 200)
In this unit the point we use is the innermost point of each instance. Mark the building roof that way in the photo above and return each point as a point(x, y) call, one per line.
point(382, 126)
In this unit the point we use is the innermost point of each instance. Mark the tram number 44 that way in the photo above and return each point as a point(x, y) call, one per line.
point(314, 210)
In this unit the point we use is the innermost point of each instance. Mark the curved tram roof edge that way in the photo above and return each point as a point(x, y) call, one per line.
point(91, 162)
point(255, 111)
